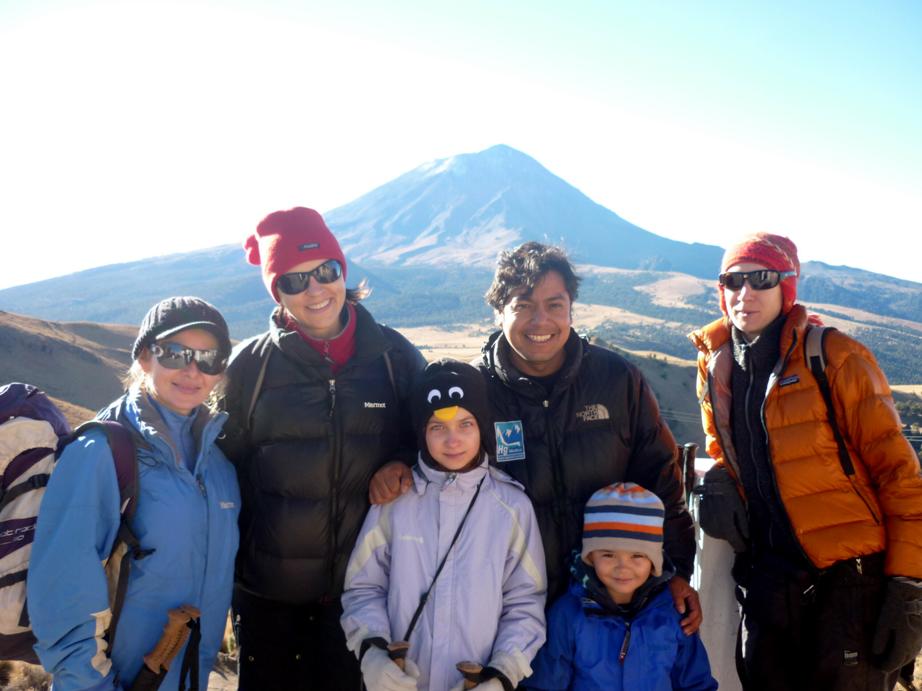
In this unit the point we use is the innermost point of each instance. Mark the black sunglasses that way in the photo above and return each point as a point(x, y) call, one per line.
point(294, 283)
point(762, 279)
point(176, 356)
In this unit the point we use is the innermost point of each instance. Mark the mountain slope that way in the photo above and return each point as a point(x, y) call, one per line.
point(79, 363)
point(461, 210)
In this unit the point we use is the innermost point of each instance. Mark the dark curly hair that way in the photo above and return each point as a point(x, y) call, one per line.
point(524, 266)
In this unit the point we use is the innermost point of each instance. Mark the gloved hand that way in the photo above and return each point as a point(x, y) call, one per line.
point(380, 673)
point(721, 510)
point(490, 685)
point(898, 636)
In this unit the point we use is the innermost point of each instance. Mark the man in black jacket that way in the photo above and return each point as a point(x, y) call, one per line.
point(569, 418)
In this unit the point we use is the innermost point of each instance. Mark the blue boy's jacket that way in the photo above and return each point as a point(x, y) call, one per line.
point(588, 634)
point(188, 519)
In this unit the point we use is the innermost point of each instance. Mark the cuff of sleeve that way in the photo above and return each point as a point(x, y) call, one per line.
point(493, 673)
point(374, 642)
point(510, 667)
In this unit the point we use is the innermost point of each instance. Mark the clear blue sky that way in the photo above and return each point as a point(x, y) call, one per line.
point(132, 129)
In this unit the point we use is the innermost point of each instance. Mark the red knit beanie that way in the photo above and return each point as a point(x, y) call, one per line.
point(771, 251)
point(285, 239)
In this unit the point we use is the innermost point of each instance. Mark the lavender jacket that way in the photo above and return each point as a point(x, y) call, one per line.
point(487, 605)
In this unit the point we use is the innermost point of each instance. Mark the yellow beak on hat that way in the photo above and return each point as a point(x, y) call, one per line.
point(446, 414)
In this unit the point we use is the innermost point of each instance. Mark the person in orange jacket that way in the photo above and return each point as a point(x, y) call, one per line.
point(829, 545)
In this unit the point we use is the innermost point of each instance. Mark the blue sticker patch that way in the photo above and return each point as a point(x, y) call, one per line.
point(308, 246)
point(787, 381)
point(510, 441)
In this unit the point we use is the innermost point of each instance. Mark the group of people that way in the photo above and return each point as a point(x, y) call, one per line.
point(525, 513)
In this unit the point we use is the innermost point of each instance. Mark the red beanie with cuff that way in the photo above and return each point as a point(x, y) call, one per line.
point(771, 251)
point(284, 239)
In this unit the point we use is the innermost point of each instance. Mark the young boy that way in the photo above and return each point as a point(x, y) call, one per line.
point(617, 627)
point(475, 523)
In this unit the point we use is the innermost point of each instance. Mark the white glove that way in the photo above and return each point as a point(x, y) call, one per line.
point(491, 685)
point(382, 674)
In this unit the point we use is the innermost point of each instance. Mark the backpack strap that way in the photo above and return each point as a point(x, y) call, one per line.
point(390, 374)
point(122, 444)
point(815, 351)
point(124, 454)
point(265, 352)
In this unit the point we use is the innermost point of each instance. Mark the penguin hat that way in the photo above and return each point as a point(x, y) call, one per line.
point(442, 393)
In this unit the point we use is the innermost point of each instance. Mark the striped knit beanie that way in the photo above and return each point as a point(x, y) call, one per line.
point(771, 251)
point(625, 516)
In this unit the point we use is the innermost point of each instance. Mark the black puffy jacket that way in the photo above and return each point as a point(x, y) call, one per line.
point(306, 454)
point(599, 425)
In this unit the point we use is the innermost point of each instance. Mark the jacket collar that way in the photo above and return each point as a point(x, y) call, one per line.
point(135, 411)
point(498, 360)
point(370, 342)
point(596, 599)
point(711, 337)
point(424, 475)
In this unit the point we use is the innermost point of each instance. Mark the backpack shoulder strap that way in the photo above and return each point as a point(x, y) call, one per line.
point(815, 351)
point(390, 374)
point(122, 444)
point(263, 350)
point(124, 454)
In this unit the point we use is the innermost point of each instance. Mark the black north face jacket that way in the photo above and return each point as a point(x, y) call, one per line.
point(600, 424)
point(307, 453)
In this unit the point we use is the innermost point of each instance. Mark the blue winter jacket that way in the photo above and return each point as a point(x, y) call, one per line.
point(584, 641)
point(188, 519)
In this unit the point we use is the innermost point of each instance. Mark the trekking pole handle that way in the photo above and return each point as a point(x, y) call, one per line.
point(398, 653)
point(471, 672)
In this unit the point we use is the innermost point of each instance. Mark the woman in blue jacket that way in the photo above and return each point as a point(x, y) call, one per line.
point(186, 514)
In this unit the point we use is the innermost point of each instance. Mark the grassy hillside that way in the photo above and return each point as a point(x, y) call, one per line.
point(78, 363)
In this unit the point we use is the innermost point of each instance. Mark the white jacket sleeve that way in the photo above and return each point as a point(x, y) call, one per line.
point(367, 580)
point(521, 629)
point(68, 595)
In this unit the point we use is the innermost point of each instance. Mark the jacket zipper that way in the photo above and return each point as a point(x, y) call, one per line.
point(626, 643)
point(771, 464)
point(732, 462)
point(556, 470)
point(334, 480)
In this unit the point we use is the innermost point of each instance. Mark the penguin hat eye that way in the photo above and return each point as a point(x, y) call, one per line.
point(433, 395)
point(456, 393)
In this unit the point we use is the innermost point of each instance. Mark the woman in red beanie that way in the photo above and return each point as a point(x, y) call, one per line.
point(828, 535)
point(317, 404)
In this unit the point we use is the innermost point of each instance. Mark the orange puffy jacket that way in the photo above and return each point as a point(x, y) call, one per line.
point(834, 516)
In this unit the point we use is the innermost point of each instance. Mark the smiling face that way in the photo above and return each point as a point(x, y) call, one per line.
point(317, 309)
point(180, 390)
point(751, 310)
point(622, 572)
point(453, 438)
point(537, 326)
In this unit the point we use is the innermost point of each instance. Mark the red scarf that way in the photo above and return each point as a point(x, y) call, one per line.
point(337, 350)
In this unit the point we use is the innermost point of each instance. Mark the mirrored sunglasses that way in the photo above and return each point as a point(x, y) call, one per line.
point(176, 356)
point(294, 283)
point(762, 279)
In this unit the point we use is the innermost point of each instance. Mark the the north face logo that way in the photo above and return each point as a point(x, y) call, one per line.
point(592, 412)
